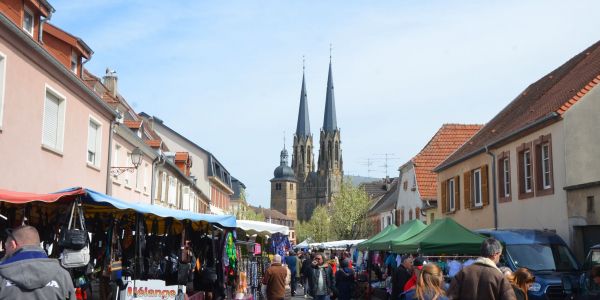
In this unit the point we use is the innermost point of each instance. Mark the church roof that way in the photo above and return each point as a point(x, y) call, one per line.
point(303, 127)
point(329, 120)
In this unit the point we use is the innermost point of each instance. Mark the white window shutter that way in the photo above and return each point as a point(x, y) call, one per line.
point(51, 110)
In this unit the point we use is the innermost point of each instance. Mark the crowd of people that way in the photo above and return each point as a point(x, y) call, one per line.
point(414, 279)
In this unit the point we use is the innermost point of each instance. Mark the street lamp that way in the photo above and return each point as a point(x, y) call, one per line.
point(136, 160)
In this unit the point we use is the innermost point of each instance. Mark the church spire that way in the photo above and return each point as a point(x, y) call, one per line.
point(303, 127)
point(329, 120)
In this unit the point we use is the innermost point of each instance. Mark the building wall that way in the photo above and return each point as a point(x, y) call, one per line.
point(200, 163)
point(478, 218)
point(582, 153)
point(408, 198)
point(582, 163)
point(124, 185)
point(23, 106)
point(538, 212)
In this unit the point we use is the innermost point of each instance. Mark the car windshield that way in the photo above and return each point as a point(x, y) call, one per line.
point(540, 257)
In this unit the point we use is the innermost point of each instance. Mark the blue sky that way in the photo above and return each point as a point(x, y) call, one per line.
point(227, 74)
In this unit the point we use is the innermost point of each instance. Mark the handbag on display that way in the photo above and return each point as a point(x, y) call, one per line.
point(75, 258)
point(72, 237)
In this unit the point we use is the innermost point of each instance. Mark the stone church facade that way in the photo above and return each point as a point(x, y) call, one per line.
point(306, 187)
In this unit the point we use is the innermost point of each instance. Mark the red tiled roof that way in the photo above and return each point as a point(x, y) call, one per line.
point(552, 94)
point(132, 124)
point(448, 138)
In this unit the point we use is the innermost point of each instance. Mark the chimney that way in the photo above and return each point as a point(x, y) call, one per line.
point(387, 183)
point(110, 81)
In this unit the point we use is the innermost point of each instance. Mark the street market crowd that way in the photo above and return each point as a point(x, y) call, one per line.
point(415, 278)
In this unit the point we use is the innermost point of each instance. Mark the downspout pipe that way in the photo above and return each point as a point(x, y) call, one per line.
point(111, 131)
point(494, 196)
point(41, 29)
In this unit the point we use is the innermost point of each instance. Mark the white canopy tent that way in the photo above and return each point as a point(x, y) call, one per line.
point(262, 228)
point(338, 245)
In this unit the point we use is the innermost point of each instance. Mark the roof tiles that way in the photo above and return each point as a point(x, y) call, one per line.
point(448, 138)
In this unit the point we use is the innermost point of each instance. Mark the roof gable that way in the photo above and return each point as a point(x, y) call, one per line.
point(445, 141)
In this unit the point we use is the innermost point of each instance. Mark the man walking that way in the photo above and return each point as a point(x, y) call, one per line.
point(275, 279)
point(292, 263)
point(483, 279)
point(26, 272)
point(401, 275)
point(322, 282)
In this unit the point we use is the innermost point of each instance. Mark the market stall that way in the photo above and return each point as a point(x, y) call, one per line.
point(444, 236)
point(366, 244)
point(257, 243)
point(403, 232)
point(112, 247)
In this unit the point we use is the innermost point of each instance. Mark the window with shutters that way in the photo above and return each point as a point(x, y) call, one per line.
point(543, 166)
point(450, 193)
point(525, 171)
point(402, 215)
point(186, 198)
point(94, 142)
point(54, 120)
point(2, 85)
point(28, 21)
point(410, 214)
point(476, 187)
point(527, 176)
point(418, 213)
point(504, 192)
point(172, 193)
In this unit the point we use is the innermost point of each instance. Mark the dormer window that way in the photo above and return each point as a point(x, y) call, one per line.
point(28, 21)
point(74, 61)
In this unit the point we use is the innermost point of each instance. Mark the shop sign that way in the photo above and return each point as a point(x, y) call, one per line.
point(151, 289)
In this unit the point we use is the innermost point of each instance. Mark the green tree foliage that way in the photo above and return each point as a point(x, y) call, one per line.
point(349, 213)
point(318, 228)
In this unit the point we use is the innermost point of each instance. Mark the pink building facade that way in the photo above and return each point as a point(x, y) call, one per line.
point(54, 131)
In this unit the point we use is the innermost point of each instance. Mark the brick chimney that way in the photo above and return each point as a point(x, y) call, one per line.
point(110, 80)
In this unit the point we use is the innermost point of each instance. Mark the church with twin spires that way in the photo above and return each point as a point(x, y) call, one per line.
point(298, 189)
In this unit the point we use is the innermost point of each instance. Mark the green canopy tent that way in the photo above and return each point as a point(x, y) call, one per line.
point(444, 236)
point(366, 245)
point(405, 231)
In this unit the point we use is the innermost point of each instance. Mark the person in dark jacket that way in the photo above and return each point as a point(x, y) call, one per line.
point(26, 272)
point(306, 273)
point(322, 281)
point(401, 275)
point(344, 280)
point(291, 261)
point(482, 279)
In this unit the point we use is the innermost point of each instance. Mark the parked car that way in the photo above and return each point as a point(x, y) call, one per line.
point(544, 253)
point(588, 288)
